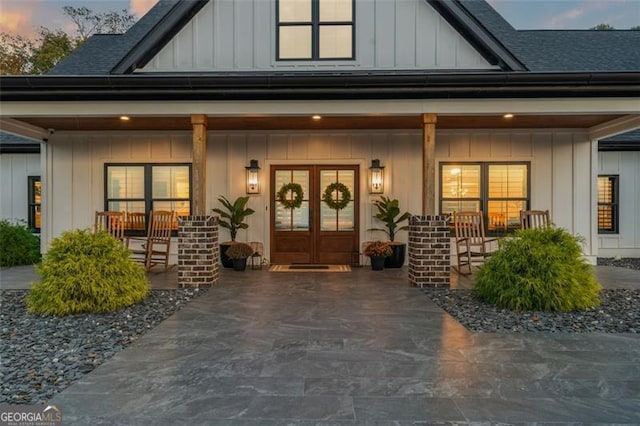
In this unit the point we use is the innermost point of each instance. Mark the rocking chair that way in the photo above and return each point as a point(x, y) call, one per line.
point(470, 241)
point(154, 248)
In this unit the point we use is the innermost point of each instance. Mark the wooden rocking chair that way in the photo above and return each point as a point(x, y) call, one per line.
point(154, 248)
point(111, 221)
point(470, 241)
point(534, 219)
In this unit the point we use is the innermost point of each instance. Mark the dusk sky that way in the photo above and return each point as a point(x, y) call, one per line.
point(25, 16)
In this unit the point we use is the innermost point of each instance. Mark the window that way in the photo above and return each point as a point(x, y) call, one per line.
point(315, 29)
point(34, 212)
point(139, 188)
point(607, 204)
point(500, 190)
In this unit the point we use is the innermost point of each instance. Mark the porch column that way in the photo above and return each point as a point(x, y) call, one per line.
point(199, 123)
point(428, 164)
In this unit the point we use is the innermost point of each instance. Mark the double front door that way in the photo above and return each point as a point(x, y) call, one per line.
point(316, 231)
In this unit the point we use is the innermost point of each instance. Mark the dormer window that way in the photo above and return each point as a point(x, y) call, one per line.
point(315, 29)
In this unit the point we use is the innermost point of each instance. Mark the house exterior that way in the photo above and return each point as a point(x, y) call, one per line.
point(462, 111)
point(20, 186)
point(619, 195)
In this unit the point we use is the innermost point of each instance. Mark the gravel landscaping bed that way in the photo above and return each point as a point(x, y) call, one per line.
point(43, 355)
point(618, 313)
point(623, 262)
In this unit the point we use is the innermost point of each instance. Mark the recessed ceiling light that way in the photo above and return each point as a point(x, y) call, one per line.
point(508, 115)
point(316, 117)
point(125, 118)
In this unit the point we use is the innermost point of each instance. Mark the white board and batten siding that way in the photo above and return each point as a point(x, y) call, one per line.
point(231, 35)
point(15, 170)
point(627, 166)
point(78, 177)
point(560, 170)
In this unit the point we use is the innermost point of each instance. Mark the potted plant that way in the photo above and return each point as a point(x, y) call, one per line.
point(232, 218)
point(389, 214)
point(378, 251)
point(238, 253)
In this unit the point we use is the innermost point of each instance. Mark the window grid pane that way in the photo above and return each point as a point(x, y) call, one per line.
point(499, 190)
point(336, 10)
point(336, 41)
point(295, 42)
point(294, 10)
point(607, 204)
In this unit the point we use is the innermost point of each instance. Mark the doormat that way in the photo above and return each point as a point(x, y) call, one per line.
point(309, 268)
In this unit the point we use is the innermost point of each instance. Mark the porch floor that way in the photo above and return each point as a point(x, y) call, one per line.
point(350, 349)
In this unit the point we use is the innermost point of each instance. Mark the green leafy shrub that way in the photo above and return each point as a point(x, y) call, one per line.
point(87, 272)
point(539, 269)
point(18, 245)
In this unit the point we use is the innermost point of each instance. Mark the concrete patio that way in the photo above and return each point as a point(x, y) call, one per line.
point(351, 348)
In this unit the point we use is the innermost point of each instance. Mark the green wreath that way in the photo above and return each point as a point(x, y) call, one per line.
point(337, 204)
point(298, 195)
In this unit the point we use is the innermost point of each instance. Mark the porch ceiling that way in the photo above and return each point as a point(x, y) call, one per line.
point(327, 122)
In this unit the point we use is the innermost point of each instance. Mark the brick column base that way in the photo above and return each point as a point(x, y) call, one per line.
point(429, 256)
point(198, 251)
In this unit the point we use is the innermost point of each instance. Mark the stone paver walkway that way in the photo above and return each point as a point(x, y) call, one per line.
point(350, 348)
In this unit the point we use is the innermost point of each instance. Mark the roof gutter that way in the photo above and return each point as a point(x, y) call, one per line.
point(319, 85)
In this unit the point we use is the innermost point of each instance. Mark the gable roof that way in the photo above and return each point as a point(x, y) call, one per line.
point(476, 20)
point(101, 53)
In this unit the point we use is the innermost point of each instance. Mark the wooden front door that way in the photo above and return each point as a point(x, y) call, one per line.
point(314, 232)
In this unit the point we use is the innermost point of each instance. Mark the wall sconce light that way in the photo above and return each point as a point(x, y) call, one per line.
point(253, 181)
point(376, 177)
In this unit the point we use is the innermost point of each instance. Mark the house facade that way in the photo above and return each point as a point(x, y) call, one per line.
point(20, 186)
point(462, 111)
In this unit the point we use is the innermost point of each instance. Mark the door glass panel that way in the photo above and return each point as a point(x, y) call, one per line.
point(292, 219)
point(337, 220)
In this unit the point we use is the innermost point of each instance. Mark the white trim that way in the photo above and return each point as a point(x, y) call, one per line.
point(22, 129)
point(615, 127)
point(564, 106)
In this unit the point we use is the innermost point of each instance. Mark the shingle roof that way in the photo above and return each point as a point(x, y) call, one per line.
point(629, 141)
point(12, 144)
point(538, 50)
point(561, 50)
point(10, 138)
point(102, 52)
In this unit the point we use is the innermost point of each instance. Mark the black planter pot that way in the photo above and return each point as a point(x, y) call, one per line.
point(226, 261)
point(396, 260)
point(239, 264)
point(377, 263)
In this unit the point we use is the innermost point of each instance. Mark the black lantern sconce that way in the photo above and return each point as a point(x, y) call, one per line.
point(253, 177)
point(376, 177)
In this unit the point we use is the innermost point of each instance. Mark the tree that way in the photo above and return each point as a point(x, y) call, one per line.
point(89, 23)
point(19, 55)
point(52, 47)
point(602, 27)
point(636, 28)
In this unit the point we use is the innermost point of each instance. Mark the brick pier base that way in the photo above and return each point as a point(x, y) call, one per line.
point(429, 255)
point(198, 251)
